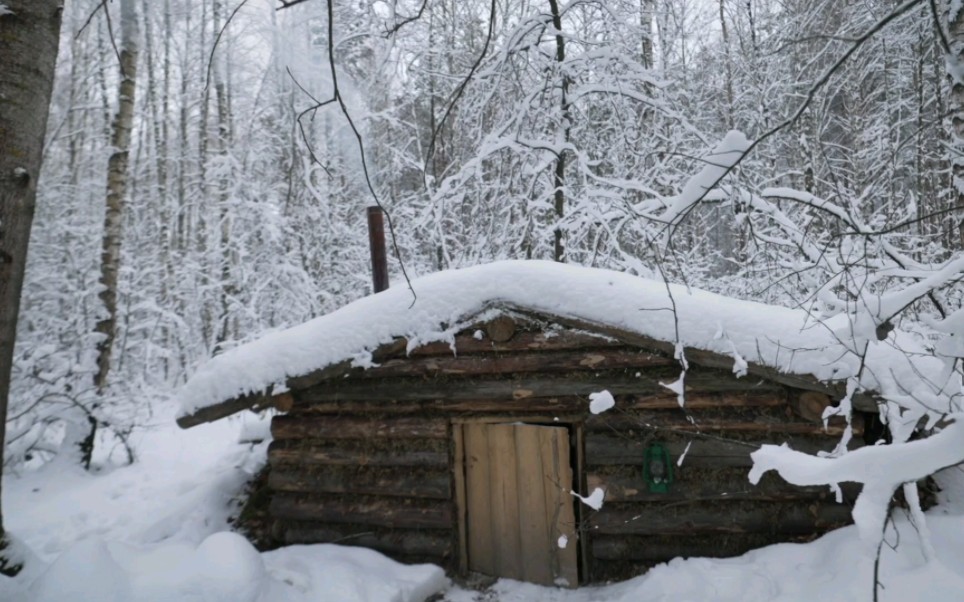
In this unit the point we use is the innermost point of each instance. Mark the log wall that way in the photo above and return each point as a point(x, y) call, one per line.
point(368, 457)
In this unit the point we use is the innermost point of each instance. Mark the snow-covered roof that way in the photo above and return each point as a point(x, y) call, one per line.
point(788, 341)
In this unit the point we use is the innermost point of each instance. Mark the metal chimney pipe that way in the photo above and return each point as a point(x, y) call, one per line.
point(376, 240)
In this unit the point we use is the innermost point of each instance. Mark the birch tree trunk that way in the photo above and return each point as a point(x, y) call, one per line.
point(725, 39)
point(224, 141)
point(559, 177)
point(955, 72)
point(29, 35)
point(117, 180)
point(646, 10)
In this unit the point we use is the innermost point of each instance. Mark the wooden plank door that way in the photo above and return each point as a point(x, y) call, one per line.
point(518, 480)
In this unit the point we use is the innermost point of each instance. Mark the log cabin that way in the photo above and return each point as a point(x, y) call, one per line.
point(465, 421)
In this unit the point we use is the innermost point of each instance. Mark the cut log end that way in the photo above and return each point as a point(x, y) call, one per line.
point(283, 402)
point(501, 329)
point(811, 404)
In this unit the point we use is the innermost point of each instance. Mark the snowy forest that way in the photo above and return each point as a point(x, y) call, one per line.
point(485, 135)
point(207, 166)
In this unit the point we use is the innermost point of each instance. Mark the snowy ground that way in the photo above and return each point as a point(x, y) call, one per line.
point(157, 531)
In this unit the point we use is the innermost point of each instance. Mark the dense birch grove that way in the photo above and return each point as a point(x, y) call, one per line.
point(208, 164)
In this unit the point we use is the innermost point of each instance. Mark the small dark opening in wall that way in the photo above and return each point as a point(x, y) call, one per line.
point(874, 429)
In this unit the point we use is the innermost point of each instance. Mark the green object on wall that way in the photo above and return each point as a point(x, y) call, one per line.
point(657, 469)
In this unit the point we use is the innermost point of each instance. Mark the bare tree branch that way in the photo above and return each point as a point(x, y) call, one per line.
point(289, 3)
point(207, 77)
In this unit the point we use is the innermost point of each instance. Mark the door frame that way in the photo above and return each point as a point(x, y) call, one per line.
point(577, 463)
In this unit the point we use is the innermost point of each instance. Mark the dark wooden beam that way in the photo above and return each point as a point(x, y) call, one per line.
point(254, 402)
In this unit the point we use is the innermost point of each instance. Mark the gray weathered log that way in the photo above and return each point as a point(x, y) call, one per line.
point(644, 547)
point(521, 388)
point(562, 340)
point(574, 404)
point(381, 512)
point(677, 423)
point(389, 481)
point(565, 362)
point(621, 488)
point(862, 401)
point(254, 402)
point(385, 352)
point(297, 426)
point(606, 448)
point(400, 541)
point(651, 519)
point(306, 454)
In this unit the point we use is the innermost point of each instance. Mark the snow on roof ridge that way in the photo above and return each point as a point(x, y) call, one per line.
point(787, 340)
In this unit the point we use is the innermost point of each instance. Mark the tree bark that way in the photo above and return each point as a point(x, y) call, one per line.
point(955, 72)
point(728, 110)
point(29, 36)
point(224, 140)
point(559, 176)
point(117, 180)
point(646, 10)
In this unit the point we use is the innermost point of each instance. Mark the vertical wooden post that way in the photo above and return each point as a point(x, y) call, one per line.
point(376, 239)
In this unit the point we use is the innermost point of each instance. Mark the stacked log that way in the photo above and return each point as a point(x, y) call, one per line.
point(369, 456)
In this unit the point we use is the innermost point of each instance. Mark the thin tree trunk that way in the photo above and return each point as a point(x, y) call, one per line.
point(955, 71)
point(181, 223)
point(942, 187)
point(222, 98)
point(168, 233)
point(117, 180)
point(29, 36)
point(104, 55)
point(559, 177)
point(158, 117)
point(201, 219)
point(728, 112)
point(205, 101)
point(73, 116)
point(646, 10)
